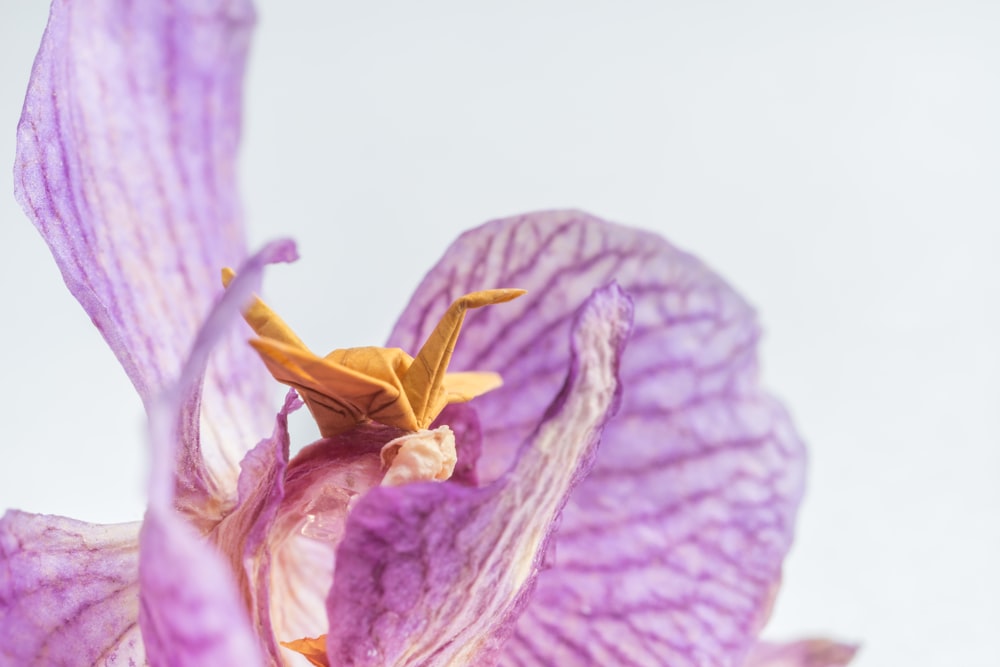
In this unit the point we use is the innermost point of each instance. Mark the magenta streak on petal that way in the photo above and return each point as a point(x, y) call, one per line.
point(191, 610)
point(437, 573)
point(126, 165)
point(68, 593)
point(670, 551)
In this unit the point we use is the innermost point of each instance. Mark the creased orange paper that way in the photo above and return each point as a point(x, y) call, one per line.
point(351, 386)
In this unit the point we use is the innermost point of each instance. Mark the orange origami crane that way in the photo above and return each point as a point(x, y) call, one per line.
point(386, 385)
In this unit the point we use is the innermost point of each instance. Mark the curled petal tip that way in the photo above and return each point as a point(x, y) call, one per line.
point(282, 250)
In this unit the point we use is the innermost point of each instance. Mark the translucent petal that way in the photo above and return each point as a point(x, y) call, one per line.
point(670, 551)
point(126, 164)
point(436, 573)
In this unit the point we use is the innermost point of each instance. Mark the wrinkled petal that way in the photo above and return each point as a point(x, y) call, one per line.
point(205, 510)
point(191, 610)
point(322, 485)
point(282, 535)
point(243, 534)
point(436, 573)
point(68, 592)
point(807, 653)
point(464, 422)
point(126, 164)
point(423, 456)
point(670, 551)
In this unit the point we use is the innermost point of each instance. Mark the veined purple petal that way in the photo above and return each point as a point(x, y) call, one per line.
point(68, 593)
point(191, 610)
point(436, 573)
point(126, 164)
point(670, 551)
point(807, 653)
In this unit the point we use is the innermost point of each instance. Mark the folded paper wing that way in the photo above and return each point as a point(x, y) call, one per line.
point(386, 385)
point(462, 387)
point(338, 396)
point(264, 321)
point(313, 648)
point(425, 381)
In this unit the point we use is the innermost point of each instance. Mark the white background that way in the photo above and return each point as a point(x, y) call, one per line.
point(837, 162)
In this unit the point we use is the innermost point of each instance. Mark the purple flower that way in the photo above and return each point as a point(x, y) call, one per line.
point(630, 416)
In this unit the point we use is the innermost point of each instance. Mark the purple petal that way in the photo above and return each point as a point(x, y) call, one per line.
point(670, 552)
point(68, 592)
point(191, 609)
point(436, 573)
point(126, 165)
point(243, 534)
point(191, 613)
point(282, 535)
point(808, 653)
point(198, 496)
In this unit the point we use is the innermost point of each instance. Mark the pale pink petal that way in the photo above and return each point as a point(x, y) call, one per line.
point(192, 612)
point(243, 534)
point(322, 484)
point(126, 164)
point(69, 593)
point(191, 478)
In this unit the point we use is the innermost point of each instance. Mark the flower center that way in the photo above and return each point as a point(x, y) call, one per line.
point(386, 385)
point(350, 387)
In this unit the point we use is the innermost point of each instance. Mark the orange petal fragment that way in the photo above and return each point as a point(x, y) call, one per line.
point(313, 648)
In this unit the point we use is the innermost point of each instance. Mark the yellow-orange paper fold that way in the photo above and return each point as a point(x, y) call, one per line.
point(386, 385)
point(313, 648)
